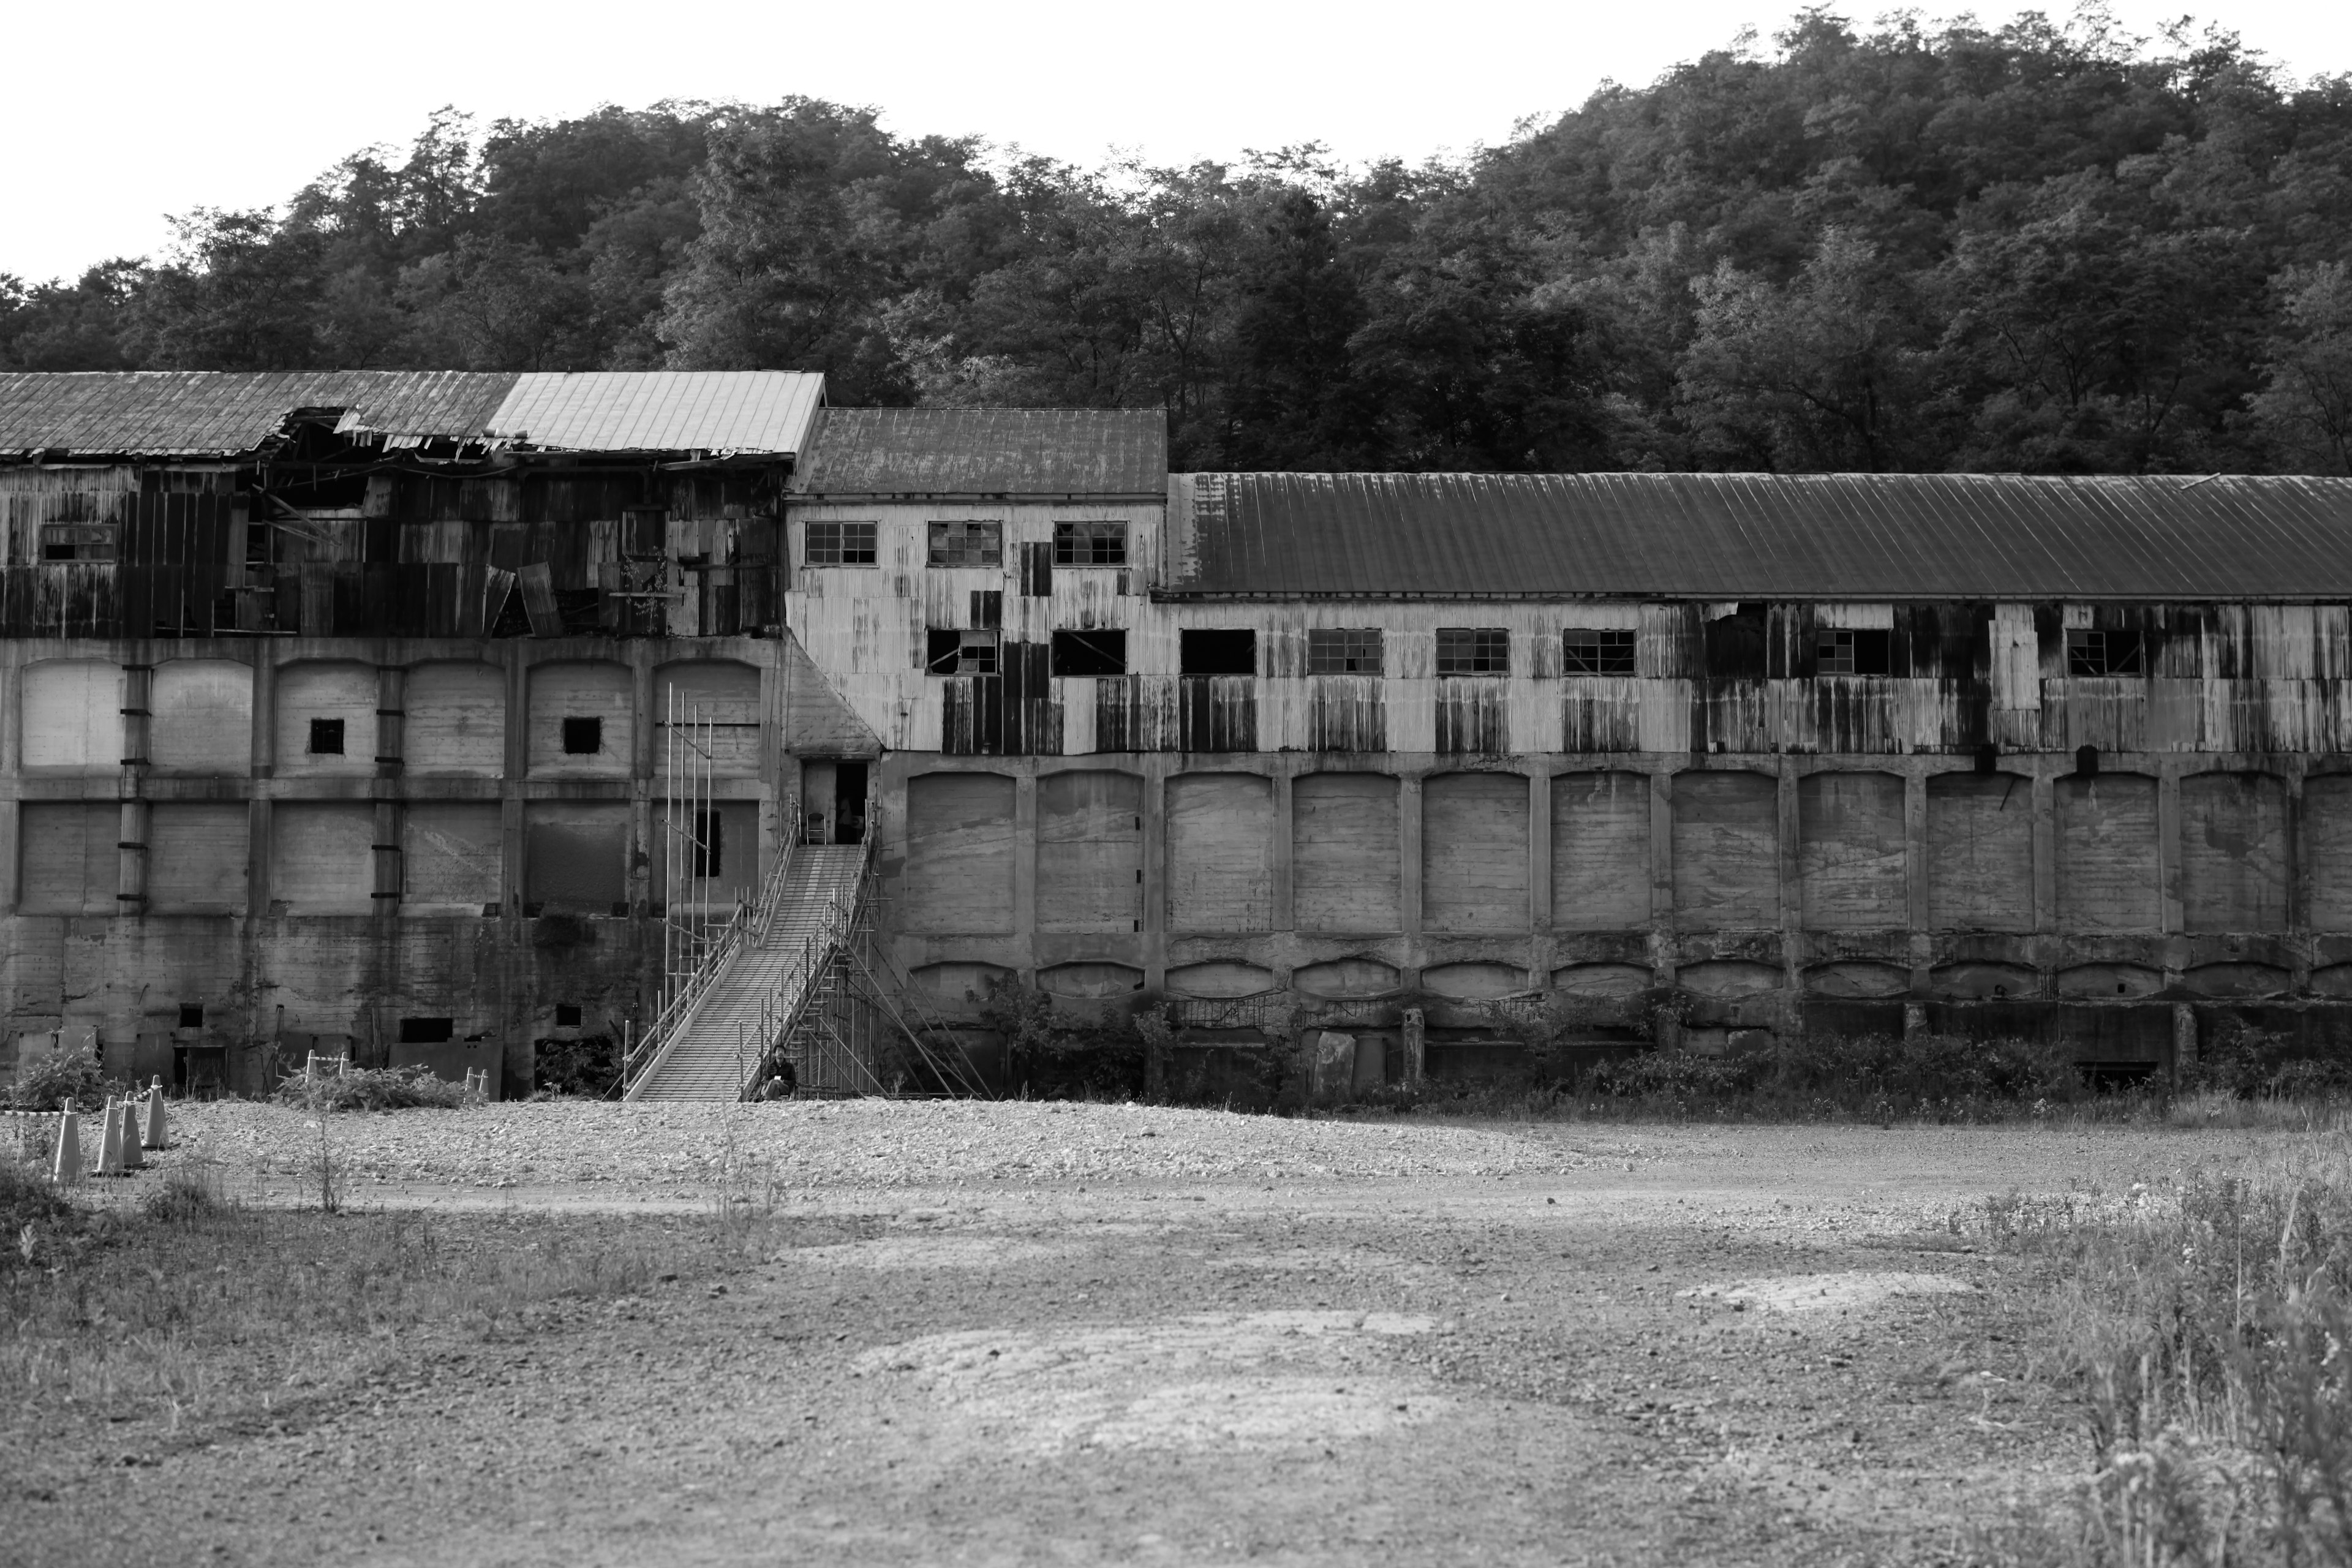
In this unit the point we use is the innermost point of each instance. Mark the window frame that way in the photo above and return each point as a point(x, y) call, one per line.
point(990, 560)
point(325, 728)
point(841, 547)
point(978, 650)
point(1361, 650)
point(1844, 651)
point(1194, 643)
point(2089, 645)
point(1482, 656)
point(1611, 650)
point(1070, 635)
point(1094, 533)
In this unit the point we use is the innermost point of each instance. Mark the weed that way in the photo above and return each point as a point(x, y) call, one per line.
point(381, 1089)
point(52, 1080)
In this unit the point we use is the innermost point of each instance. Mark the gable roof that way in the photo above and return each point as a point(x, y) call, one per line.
point(988, 452)
point(1734, 536)
point(227, 414)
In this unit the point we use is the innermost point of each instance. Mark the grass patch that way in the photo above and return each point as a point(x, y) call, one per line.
point(192, 1309)
point(2205, 1325)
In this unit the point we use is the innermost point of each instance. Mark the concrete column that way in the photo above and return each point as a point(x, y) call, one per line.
point(2168, 849)
point(1280, 780)
point(2045, 848)
point(1155, 870)
point(130, 835)
point(1661, 876)
point(1409, 851)
point(1915, 850)
point(1024, 853)
point(1539, 851)
point(391, 731)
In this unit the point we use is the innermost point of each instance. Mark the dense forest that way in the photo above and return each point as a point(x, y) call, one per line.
point(2039, 247)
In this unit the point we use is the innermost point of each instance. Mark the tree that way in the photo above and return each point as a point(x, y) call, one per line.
point(2306, 406)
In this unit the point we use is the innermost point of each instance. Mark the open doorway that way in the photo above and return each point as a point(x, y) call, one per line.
point(848, 802)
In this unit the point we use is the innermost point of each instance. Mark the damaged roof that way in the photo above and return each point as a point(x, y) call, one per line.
point(988, 452)
point(227, 414)
point(1746, 536)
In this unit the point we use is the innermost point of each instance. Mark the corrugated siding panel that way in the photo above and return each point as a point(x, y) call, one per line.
point(662, 411)
point(216, 413)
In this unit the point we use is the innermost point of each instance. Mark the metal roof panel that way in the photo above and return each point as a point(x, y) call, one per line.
point(987, 451)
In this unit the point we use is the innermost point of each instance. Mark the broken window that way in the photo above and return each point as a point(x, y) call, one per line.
point(427, 1031)
point(961, 653)
point(77, 542)
point(1090, 544)
point(1217, 653)
point(583, 737)
point(326, 737)
point(709, 843)
point(1851, 653)
point(1341, 650)
point(567, 1015)
point(1090, 653)
point(1466, 650)
point(966, 544)
point(192, 1014)
point(2105, 652)
point(1602, 652)
point(840, 544)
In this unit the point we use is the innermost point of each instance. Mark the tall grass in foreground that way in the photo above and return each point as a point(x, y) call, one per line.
point(2211, 1326)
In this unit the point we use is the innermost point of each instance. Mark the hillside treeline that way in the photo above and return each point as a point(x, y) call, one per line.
point(2037, 248)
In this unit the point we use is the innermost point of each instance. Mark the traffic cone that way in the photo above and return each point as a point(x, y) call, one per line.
point(67, 1171)
point(158, 1136)
point(131, 1159)
point(109, 1144)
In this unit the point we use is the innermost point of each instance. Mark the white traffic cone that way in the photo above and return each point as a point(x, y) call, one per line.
point(67, 1169)
point(109, 1144)
point(158, 1134)
point(131, 1160)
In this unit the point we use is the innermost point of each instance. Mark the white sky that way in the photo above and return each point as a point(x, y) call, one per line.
point(114, 115)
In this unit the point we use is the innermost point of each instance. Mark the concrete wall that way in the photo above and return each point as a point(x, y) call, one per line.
point(321, 838)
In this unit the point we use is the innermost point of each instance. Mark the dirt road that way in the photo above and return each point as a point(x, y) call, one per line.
point(1646, 1346)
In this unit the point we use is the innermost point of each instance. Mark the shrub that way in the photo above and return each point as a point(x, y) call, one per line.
point(1051, 1056)
point(589, 1066)
point(50, 1081)
point(382, 1089)
point(2255, 1064)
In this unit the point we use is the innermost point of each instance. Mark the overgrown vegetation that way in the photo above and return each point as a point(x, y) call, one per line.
point(375, 1089)
point(2037, 246)
point(588, 1066)
point(2206, 1325)
point(51, 1080)
point(1052, 1053)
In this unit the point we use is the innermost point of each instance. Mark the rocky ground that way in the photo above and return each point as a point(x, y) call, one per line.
point(1034, 1333)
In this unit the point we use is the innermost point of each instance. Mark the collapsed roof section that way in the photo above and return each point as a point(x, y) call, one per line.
point(1756, 536)
point(225, 415)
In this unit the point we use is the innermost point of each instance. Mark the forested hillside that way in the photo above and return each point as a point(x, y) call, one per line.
point(2038, 248)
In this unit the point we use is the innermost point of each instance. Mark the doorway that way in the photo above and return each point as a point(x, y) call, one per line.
point(848, 802)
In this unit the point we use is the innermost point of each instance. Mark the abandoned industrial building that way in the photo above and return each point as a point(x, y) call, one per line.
point(434, 717)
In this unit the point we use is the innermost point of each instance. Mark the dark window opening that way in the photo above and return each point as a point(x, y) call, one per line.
point(77, 541)
point(257, 544)
point(1736, 643)
point(326, 737)
point(1090, 653)
point(709, 843)
point(841, 544)
point(2103, 652)
point(567, 1015)
point(2086, 762)
point(961, 653)
point(1463, 650)
point(1217, 653)
point(427, 1031)
point(583, 737)
point(1608, 652)
point(1090, 544)
point(1853, 653)
point(192, 1014)
point(1342, 650)
point(966, 544)
point(645, 531)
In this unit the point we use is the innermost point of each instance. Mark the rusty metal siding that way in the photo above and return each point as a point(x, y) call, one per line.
point(1715, 536)
point(987, 452)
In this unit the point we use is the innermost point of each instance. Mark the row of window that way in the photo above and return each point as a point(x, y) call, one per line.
point(1461, 650)
point(966, 544)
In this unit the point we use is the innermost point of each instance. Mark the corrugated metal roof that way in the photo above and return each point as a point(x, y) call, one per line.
point(662, 410)
point(988, 451)
point(189, 414)
point(214, 413)
point(1731, 536)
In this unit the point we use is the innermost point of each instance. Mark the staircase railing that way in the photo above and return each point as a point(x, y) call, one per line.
point(748, 925)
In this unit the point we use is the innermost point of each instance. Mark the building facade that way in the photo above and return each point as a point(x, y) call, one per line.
point(353, 710)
